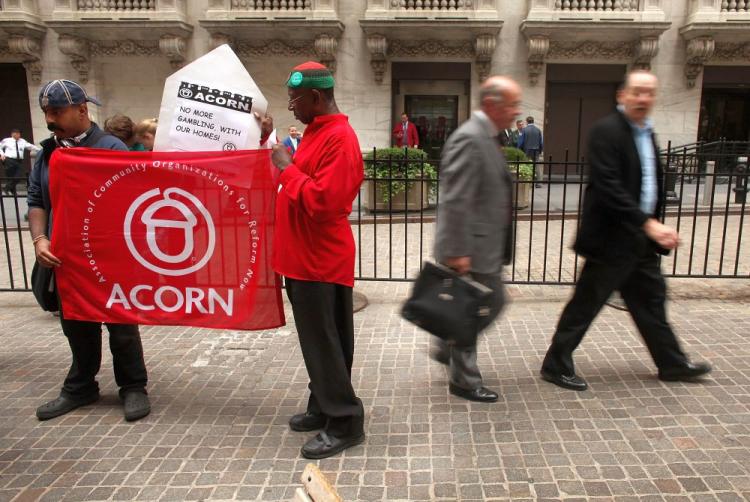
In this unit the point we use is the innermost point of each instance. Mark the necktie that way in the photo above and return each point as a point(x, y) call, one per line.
point(18, 152)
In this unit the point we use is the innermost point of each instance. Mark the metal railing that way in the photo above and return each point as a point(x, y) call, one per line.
point(393, 220)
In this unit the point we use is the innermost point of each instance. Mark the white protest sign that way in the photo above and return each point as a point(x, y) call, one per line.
point(208, 105)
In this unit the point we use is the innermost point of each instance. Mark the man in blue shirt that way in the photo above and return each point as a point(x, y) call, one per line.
point(621, 236)
point(65, 107)
point(291, 142)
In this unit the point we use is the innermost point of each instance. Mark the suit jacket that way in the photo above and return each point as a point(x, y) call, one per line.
point(531, 138)
point(289, 145)
point(505, 138)
point(412, 136)
point(514, 135)
point(474, 210)
point(611, 219)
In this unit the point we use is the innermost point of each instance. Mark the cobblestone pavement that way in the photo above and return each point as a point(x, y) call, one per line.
point(221, 400)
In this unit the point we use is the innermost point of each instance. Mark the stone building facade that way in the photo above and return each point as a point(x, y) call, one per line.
point(423, 56)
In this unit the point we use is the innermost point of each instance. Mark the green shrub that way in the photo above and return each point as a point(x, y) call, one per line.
point(518, 163)
point(401, 164)
point(524, 171)
point(513, 154)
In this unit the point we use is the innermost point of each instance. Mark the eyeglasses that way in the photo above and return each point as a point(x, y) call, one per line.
point(292, 101)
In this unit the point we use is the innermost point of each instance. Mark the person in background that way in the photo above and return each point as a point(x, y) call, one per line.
point(621, 238)
point(292, 141)
point(515, 134)
point(405, 133)
point(65, 107)
point(532, 143)
point(123, 128)
point(145, 132)
point(12, 152)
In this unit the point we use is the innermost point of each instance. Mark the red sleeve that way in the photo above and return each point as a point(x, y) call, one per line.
point(331, 188)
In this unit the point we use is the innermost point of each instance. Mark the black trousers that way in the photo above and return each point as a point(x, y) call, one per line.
point(13, 168)
point(642, 287)
point(325, 326)
point(85, 340)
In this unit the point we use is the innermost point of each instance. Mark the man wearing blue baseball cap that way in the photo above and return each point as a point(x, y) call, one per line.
point(65, 107)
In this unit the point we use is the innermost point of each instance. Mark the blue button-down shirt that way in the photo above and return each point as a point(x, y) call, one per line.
point(645, 145)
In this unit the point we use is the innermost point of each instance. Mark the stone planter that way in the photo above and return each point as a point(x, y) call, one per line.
point(375, 197)
point(522, 194)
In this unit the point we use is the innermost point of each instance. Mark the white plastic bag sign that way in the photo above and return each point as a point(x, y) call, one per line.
point(209, 114)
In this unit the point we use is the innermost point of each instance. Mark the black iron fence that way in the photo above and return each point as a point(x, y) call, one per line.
point(394, 218)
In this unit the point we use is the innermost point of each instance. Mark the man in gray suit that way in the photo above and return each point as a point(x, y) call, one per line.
point(474, 216)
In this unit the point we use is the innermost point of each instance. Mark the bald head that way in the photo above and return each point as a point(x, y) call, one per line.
point(500, 100)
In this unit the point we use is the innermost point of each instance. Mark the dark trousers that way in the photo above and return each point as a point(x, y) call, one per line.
point(643, 289)
point(325, 326)
point(464, 371)
point(85, 340)
point(13, 168)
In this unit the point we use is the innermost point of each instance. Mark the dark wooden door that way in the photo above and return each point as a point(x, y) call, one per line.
point(571, 110)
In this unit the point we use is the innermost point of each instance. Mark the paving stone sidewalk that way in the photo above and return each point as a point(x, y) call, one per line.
point(221, 400)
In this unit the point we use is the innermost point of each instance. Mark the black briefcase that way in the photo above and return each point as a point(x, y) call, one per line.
point(43, 287)
point(452, 307)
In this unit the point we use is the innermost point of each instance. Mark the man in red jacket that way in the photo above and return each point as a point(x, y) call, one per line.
point(405, 133)
point(314, 251)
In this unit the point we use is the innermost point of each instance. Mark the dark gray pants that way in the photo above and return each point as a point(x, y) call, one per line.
point(85, 340)
point(325, 326)
point(464, 371)
point(13, 169)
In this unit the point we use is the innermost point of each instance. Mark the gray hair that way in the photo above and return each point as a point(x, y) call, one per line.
point(492, 90)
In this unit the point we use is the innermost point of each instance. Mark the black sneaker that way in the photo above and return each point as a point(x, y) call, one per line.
point(62, 405)
point(136, 405)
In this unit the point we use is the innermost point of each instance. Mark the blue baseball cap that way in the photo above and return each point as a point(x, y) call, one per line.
point(60, 93)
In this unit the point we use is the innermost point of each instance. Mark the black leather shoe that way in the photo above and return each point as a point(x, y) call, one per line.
point(306, 422)
point(572, 382)
point(136, 405)
point(63, 405)
point(482, 394)
point(440, 356)
point(685, 373)
point(324, 445)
